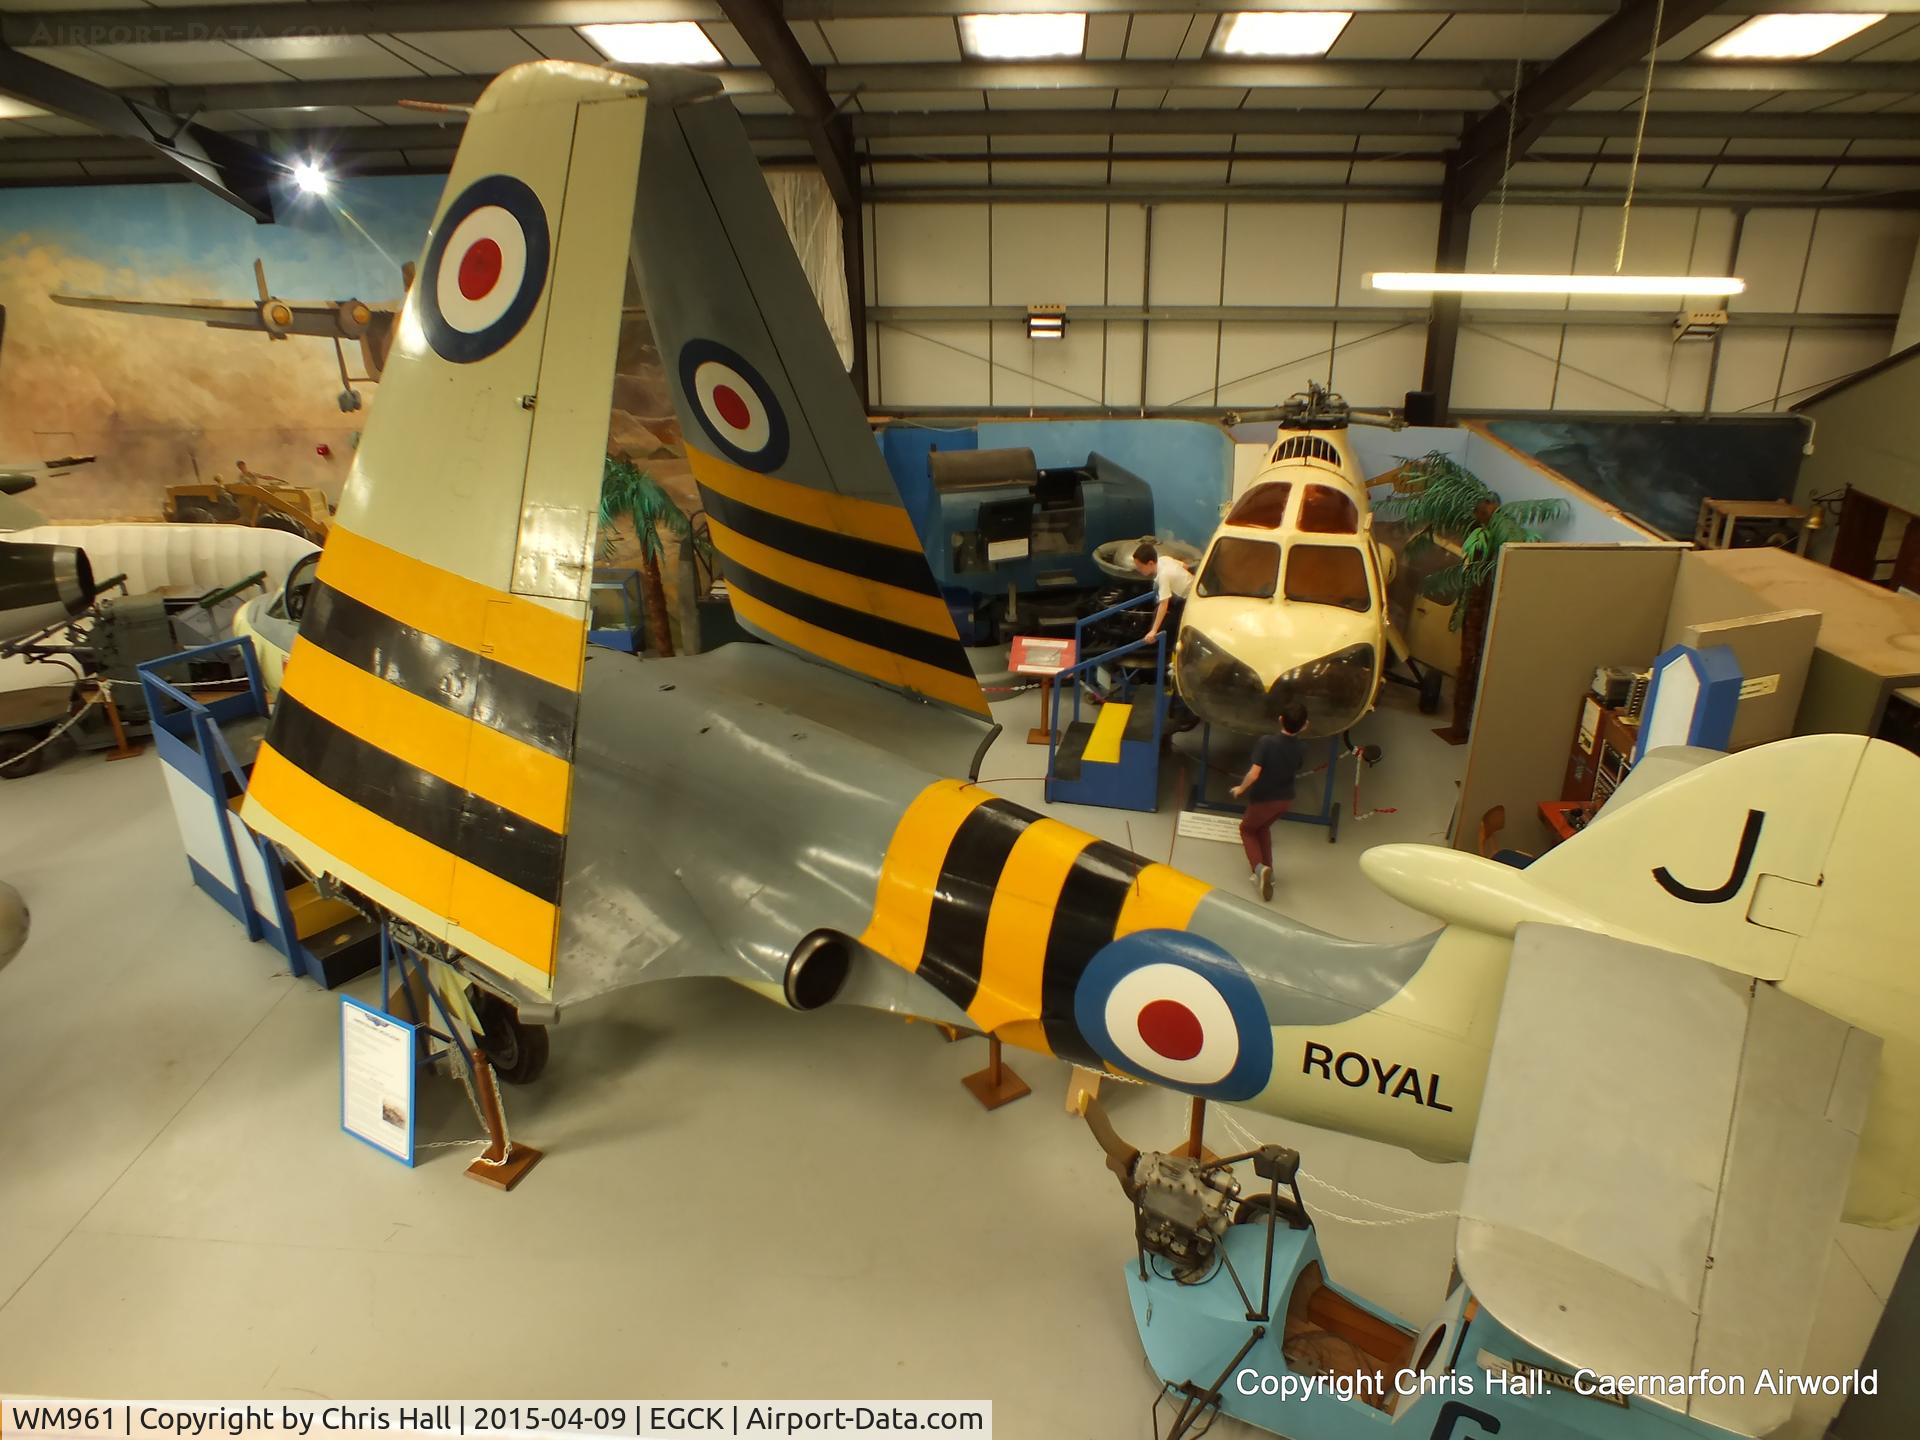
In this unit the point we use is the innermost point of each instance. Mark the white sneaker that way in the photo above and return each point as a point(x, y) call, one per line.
point(1263, 879)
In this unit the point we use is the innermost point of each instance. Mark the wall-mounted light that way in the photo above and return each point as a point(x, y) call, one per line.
point(1495, 283)
point(1046, 322)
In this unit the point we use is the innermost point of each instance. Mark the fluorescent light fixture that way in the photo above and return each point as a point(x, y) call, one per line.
point(1024, 37)
point(1281, 32)
point(1485, 283)
point(1788, 37)
point(12, 109)
point(311, 178)
point(654, 42)
point(1046, 322)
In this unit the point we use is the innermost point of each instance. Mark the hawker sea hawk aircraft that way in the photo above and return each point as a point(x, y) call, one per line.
point(784, 814)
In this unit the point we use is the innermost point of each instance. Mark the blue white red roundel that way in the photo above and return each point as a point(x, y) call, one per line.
point(484, 270)
point(1171, 1007)
point(734, 405)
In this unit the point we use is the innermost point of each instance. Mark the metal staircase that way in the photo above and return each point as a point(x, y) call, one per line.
point(1112, 756)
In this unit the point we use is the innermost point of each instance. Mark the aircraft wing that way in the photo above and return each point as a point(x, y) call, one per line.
point(1663, 1152)
point(322, 318)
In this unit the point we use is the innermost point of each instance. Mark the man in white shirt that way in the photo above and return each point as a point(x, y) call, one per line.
point(1171, 582)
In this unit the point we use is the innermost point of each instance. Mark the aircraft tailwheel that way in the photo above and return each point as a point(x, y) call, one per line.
point(517, 1050)
point(1252, 1210)
point(12, 746)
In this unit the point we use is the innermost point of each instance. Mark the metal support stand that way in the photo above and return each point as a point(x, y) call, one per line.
point(1198, 1401)
point(1193, 1148)
point(996, 1085)
point(1328, 813)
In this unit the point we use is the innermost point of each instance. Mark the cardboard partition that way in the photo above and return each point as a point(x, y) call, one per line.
point(1560, 612)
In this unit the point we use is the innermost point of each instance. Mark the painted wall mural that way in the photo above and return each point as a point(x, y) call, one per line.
point(166, 401)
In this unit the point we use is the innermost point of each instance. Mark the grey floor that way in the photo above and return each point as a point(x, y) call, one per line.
point(738, 1201)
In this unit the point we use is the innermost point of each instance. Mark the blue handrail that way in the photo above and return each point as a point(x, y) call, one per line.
point(1072, 673)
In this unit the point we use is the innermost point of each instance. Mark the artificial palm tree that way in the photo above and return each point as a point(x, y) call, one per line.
point(1438, 498)
point(627, 490)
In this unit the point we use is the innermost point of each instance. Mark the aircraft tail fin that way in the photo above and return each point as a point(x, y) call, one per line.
point(819, 554)
point(421, 750)
point(1787, 862)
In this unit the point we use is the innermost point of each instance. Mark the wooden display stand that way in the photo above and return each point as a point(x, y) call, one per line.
point(997, 1084)
point(1193, 1148)
point(1045, 658)
point(504, 1164)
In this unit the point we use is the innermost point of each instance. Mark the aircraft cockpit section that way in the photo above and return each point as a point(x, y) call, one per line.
point(1288, 603)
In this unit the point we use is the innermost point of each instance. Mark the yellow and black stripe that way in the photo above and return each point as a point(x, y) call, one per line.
point(423, 739)
point(840, 578)
point(1001, 910)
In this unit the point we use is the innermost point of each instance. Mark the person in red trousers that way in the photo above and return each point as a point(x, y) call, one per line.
point(1268, 791)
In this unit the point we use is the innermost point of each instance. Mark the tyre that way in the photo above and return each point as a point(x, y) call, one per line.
point(516, 1050)
point(14, 745)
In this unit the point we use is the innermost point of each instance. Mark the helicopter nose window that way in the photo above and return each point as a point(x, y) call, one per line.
point(1328, 575)
point(1241, 567)
point(1262, 506)
point(1327, 511)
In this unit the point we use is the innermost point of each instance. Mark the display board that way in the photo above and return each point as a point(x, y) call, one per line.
point(377, 1075)
point(1559, 613)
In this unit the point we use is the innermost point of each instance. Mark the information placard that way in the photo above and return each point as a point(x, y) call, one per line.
point(376, 1078)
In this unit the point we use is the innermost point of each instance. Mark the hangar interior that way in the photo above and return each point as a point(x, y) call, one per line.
point(832, 679)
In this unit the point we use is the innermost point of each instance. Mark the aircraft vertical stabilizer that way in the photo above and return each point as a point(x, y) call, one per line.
point(422, 747)
point(819, 554)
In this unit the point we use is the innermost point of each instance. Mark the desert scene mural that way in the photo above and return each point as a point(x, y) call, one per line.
point(165, 402)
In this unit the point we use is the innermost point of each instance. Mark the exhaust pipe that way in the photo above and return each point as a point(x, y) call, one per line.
point(818, 969)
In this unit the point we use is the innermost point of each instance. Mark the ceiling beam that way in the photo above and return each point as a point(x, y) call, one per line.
point(1586, 66)
point(792, 76)
point(125, 25)
point(231, 169)
point(795, 80)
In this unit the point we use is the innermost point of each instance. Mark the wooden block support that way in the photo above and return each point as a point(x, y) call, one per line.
point(996, 1085)
point(503, 1164)
point(1083, 1085)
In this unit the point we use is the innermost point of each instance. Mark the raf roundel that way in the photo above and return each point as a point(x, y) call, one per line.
point(485, 269)
point(1171, 1007)
point(734, 405)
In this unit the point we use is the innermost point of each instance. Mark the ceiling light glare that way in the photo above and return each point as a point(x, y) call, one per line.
point(1788, 37)
point(1024, 37)
point(1455, 283)
point(1268, 33)
point(654, 42)
point(310, 178)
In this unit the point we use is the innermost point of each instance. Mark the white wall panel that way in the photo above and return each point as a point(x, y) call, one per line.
point(1374, 366)
point(1262, 364)
point(1749, 375)
point(1043, 253)
point(1123, 364)
point(1530, 240)
point(1859, 261)
point(1817, 358)
point(1282, 255)
point(1048, 373)
point(1614, 368)
point(1505, 367)
point(1773, 255)
point(929, 362)
point(1187, 244)
point(1126, 254)
point(1183, 357)
point(1386, 237)
point(931, 255)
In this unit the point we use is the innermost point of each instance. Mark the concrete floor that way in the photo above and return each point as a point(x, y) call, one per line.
point(738, 1201)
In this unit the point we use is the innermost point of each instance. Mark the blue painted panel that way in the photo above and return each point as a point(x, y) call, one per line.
point(905, 449)
point(1189, 463)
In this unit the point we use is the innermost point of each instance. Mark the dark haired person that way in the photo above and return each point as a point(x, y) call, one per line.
point(1268, 791)
point(1171, 582)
